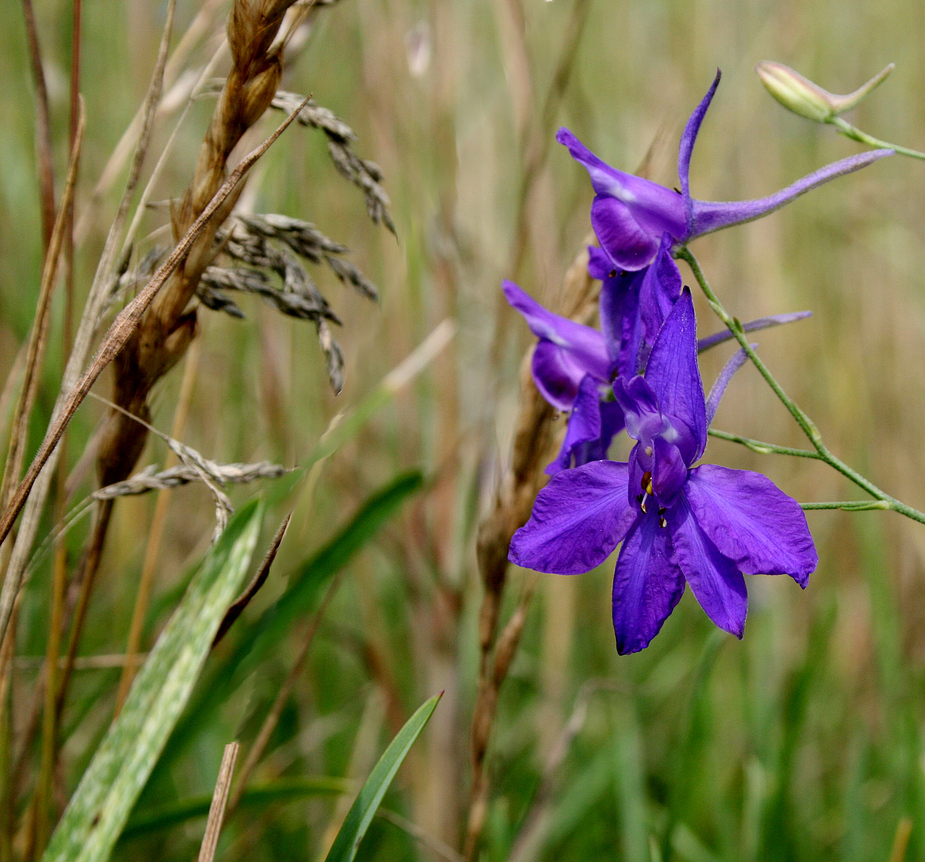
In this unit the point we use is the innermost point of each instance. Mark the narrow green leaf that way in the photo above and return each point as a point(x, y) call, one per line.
point(281, 790)
point(370, 796)
point(254, 641)
point(104, 798)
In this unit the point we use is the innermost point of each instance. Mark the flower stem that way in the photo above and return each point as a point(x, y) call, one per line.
point(850, 505)
point(802, 419)
point(761, 447)
point(856, 134)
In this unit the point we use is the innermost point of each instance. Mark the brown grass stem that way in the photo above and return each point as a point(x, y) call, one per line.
point(86, 330)
point(219, 801)
point(42, 127)
point(118, 335)
point(156, 531)
point(38, 337)
point(536, 148)
point(532, 437)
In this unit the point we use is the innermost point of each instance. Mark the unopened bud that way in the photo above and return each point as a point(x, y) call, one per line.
point(803, 97)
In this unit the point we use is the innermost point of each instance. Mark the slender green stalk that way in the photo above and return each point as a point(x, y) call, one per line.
point(856, 134)
point(802, 419)
point(850, 505)
point(761, 447)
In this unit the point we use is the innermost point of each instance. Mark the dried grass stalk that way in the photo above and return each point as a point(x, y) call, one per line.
point(532, 439)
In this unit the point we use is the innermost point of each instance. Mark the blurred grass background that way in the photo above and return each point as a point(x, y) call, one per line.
point(804, 741)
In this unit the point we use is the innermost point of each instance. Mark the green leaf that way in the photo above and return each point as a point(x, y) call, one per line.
point(370, 796)
point(281, 790)
point(108, 789)
point(254, 641)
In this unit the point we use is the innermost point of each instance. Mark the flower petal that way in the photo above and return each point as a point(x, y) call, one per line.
point(673, 374)
point(752, 521)
point(577, 520)
point(714, 579)
point(659, 290)
point(628, 243)
point(669, 472)
point(709, 216)
point(591, 428)
point(640, 407)
point(600, 266)
point(689, 138)
point(585, 343)
point(647, 585)
point(556, 374)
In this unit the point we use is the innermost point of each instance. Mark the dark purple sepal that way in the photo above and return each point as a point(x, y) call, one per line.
point(647, 584)
point(674, 376)
point(752, 522)
point(577, 520)
point(714, 579)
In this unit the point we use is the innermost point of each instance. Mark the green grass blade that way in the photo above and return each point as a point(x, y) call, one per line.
point(254, 641)
point(121, 766)
point(370, 796)
point(281, 790)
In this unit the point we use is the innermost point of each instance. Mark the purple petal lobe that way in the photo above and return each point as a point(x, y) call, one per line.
point(577, 520)
point(584, 432)
point(647, 585)
point(659, 290)
point(640, 407)
point(557, 375)
point(628, 243)
point(752, 521)
point(709, 216)
point(690, 136)
point(673, 374)
point(669, 472)
point(600, 266)
point(752, 326)
point(585, 343)
point(714, 579)
point(736, 361)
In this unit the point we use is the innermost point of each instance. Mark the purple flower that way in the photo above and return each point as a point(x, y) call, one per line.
point(630, 214)
point(574, 365)
point(702, 526)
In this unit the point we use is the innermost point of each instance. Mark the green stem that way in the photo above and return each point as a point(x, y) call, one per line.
point(856, 134)
point(806, 424)
point(760, 446)
point(850, 505)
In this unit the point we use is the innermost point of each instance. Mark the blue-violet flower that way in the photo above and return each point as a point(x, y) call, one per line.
point(703, 526)
point(630, 214)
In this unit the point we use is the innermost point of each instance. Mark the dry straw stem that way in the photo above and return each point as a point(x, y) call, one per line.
point(118, 335)
point(96, 302)
point(532, 438)
point(38, 337)
point(219, 800)
point(42, 127)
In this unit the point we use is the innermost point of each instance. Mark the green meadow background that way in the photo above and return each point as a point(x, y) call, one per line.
point(804, 741)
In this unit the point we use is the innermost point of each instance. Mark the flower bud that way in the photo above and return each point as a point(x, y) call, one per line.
point(803, 97)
